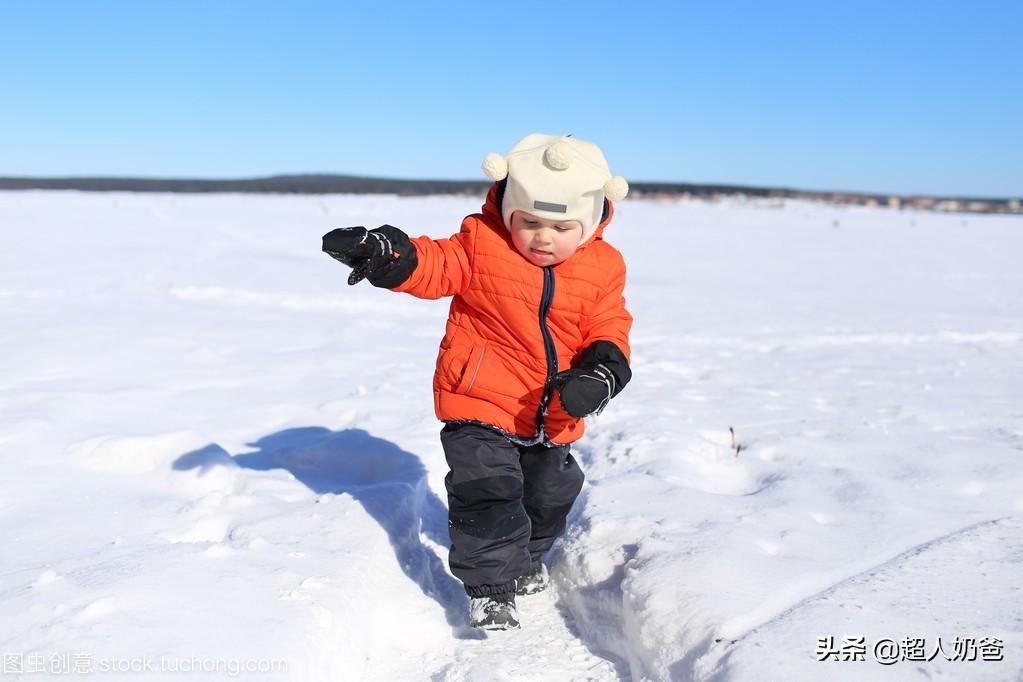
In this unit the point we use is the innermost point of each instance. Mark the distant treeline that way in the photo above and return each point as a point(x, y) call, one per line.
point(333, 184)
point(347, 184)
point(278, 184)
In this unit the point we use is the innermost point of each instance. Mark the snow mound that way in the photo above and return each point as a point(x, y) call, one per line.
point(136, 454)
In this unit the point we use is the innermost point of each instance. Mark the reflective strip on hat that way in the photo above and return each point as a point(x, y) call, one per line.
point(556, 208)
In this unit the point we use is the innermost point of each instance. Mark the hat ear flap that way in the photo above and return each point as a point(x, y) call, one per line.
point(495, 166)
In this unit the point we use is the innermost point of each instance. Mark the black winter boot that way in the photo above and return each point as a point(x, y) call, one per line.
point(494, 612)
point(536, 580)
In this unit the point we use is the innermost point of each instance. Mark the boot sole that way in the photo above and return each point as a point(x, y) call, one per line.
point(498, 626)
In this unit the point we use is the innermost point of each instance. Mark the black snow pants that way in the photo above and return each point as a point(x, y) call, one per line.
point(507, 504)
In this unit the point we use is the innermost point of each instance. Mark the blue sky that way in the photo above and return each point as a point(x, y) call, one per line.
point(906, 97)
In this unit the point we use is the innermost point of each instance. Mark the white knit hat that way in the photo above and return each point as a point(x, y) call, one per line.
point(556, 177)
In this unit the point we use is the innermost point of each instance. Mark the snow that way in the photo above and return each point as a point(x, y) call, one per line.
point(219, 458)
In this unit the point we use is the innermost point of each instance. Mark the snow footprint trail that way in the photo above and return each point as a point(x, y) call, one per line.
point(360, 476)
point(544, 649)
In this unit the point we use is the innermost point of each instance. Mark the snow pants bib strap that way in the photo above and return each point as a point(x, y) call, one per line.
point(506, 503)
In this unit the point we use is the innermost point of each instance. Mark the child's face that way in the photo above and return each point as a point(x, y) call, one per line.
point(544, 242)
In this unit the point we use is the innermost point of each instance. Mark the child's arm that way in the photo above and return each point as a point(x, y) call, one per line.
point(423, 267)
point(603, 367)
point(444, 265)
point(610, 321)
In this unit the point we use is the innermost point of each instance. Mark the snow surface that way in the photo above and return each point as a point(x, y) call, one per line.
point(216, 452)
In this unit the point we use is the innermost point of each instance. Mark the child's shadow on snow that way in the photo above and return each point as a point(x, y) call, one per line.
point(389, 482)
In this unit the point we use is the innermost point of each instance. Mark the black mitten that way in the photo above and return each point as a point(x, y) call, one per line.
point(385, 255)
point(602, 373)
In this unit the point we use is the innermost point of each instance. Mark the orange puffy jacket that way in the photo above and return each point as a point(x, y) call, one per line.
point(493, 364)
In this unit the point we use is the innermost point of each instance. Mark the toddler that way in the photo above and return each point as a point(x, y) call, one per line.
point(536, 339)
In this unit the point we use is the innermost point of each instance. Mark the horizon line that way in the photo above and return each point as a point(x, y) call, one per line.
point(20, 182)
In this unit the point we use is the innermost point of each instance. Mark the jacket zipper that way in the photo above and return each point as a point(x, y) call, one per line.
point(546, 298)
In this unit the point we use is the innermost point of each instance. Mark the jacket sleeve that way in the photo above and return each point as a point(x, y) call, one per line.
point(444, 266)
point(609, 320)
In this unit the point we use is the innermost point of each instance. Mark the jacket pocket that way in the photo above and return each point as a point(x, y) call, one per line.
point(472, 369)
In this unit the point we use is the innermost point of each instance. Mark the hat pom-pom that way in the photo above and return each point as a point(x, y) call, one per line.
point(616, 188)
point(558, 156)
point(495, 166)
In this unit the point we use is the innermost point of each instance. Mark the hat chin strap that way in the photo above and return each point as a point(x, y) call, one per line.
point(499, 199)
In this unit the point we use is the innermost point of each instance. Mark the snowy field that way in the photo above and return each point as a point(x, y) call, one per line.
point(219, 459)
